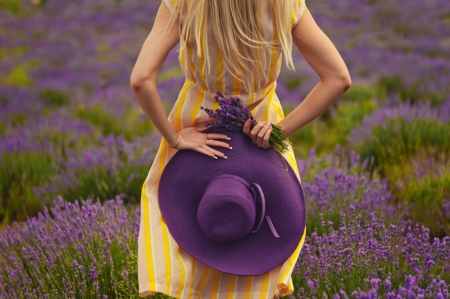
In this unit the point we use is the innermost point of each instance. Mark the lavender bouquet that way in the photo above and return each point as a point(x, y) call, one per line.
point(231, 116)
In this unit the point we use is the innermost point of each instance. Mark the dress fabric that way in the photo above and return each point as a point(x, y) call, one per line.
point(163, 266)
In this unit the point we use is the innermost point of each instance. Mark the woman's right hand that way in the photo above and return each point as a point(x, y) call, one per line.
point(192, 138)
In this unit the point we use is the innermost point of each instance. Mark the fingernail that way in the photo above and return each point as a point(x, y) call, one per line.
point(228, 138)
point(225, 157)
point(215, 157)
point(230, 147)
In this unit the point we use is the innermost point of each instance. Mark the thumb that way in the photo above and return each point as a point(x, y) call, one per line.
point(200, 129)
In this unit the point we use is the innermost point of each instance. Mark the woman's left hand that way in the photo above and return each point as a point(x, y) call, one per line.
point(260, 133)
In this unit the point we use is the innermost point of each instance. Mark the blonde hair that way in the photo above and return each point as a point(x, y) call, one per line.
point(237, 29)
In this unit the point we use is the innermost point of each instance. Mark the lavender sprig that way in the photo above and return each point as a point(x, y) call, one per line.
point(231, 116)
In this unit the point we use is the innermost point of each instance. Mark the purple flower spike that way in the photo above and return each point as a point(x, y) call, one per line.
point(231, 116)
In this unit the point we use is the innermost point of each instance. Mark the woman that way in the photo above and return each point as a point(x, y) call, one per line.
point(234, 47)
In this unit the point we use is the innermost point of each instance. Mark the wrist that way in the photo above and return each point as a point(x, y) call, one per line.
point(282, 125)
point(173, 141)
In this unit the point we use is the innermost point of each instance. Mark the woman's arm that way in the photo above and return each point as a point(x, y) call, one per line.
point(143, 82)
point(322, 55)
point(146, 70)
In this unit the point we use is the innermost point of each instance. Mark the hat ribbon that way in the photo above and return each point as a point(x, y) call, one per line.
point(263, 210)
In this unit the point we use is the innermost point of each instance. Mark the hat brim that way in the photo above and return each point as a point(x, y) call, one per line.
point(187, 175)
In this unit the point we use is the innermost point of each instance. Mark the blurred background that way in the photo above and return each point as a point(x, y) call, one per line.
point(75, 149)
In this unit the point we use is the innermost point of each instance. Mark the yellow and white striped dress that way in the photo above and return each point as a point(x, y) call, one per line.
point(162, 265)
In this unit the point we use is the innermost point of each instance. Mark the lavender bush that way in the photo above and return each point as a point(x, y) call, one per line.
point(426, 189)
point(427, 200)
point(373, 260)
point(337, 184)
point(115, 167)
point(85, 250)
point(57, 165)
point(382, 39)
point(405, 111)
point(51, 65)
point(88, 250)
point(401, 141)
point(335, 125)
point(401, 137)
point(69, 124)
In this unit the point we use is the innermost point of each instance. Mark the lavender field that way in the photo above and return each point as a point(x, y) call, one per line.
point(75, 149)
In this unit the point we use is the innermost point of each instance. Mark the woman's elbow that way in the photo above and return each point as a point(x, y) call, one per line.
point(343, 79)
point(136, 81)
point(346, 81)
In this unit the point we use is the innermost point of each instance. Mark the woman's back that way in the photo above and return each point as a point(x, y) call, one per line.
point(219, 77)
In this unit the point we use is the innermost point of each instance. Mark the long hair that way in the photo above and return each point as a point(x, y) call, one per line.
point(237, 30)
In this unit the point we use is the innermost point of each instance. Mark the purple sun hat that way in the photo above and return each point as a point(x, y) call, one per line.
point(244, 215)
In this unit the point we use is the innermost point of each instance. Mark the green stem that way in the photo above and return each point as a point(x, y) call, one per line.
point(277, 139)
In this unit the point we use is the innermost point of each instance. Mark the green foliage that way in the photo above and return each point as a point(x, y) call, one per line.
point(130, 125)
point(364, 71)
point(171, 73)
point(18, 76)
point(396, 85)
point(422, 187)
point(359, 93)
point(10, 52)
point(19, 173)
point(425, 197)
point(54, 97)
point(293, 83)
point(304, 137)
point(98, 182)
point(345, 115)
point(394, 147)
point(386, 85)
point(18, 119)
point(2, 129)
point(401, 140)
point(435, 99)
point(12, 6)
point(348, 116)
point(102, 48)
point(140, 125)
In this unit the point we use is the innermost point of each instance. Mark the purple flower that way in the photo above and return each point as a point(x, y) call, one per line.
point(363, 255)
point(387, 285)
point(68, 250)
point(231, 116)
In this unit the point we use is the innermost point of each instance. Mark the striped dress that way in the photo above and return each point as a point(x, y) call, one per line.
point(163, 266)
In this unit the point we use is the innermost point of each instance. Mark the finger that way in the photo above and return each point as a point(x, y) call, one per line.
point(261, 133)
point(217, 143)
point(204, 151)
point(218, 136)
point(266, 138)
point(254, 132)
point(215, 152)
point(246, 127)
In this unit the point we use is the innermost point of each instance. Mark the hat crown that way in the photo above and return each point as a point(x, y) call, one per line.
point(227, 211)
